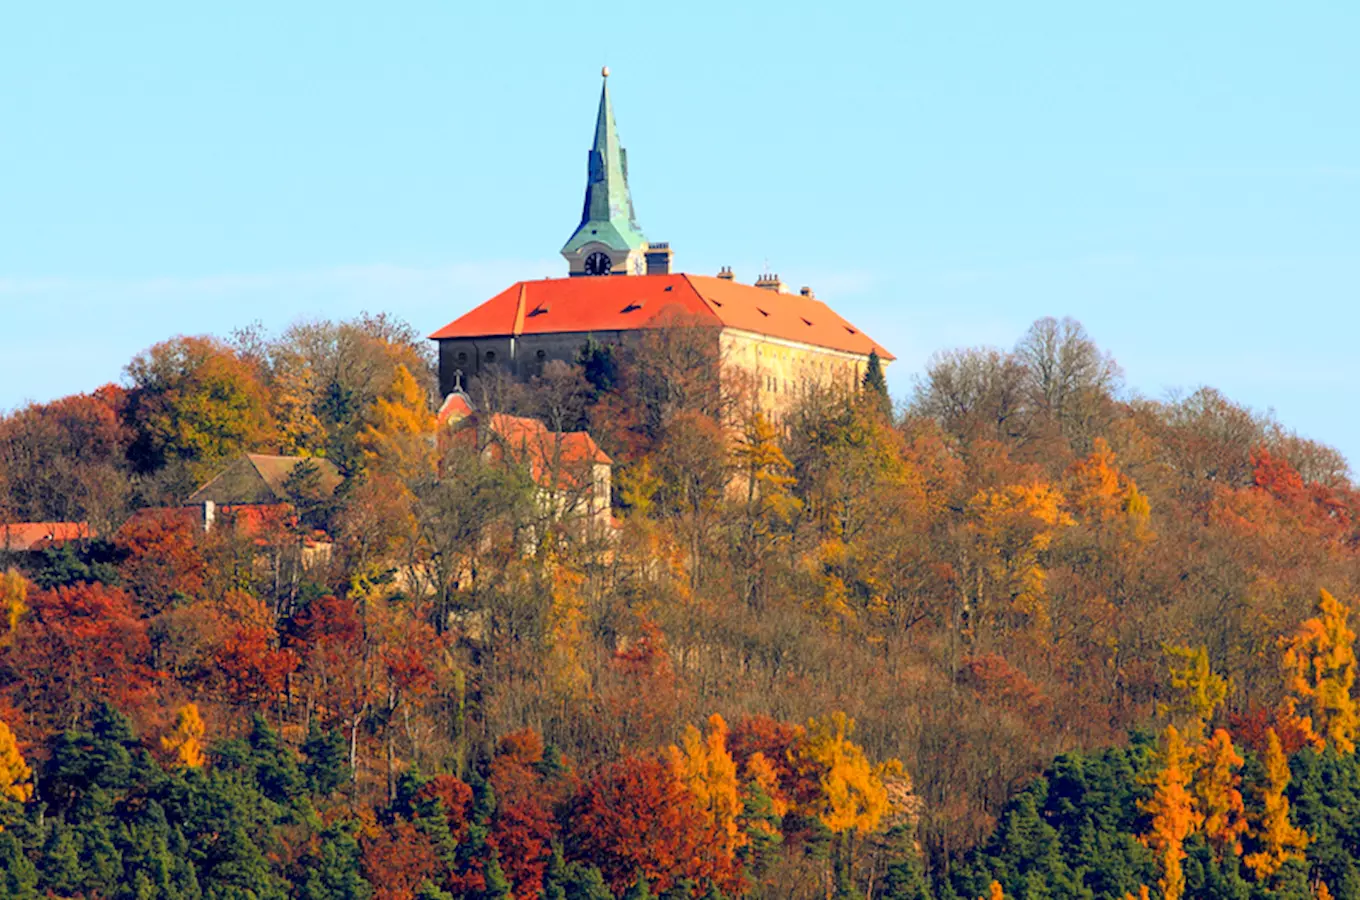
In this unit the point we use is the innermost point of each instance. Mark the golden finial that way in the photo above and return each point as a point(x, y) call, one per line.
point(604, 72)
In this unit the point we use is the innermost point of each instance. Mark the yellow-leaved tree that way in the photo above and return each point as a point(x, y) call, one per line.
point(1278, 839)
point(399, 438)
point(13, 604)
point(1196, 691)
point(1218, 793)
point(1013, 527)
point(566, 632)
point(1173, 809)
point(16, 778)
point(854, 796)
point(705, 767)
point(185, 741)
point(1319, 662)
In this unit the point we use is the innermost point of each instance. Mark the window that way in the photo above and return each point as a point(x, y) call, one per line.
point(491, 356)
point(543, 354)
point(462, 357)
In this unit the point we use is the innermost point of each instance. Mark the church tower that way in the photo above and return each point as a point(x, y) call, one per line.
point(608, 241)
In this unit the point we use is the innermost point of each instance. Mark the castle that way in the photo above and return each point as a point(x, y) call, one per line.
point(620, 284)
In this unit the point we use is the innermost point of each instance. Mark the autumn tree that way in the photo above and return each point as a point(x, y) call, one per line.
point(854, 798)
point(1319, 661)
point(16, 778)
point(1276, 838)
point(185, 742)
point(975, 393)
point(1066, 376)
point(80, 645)
point(1218, 796)
point(398, 440)
point(326, 376)
point(1196, 690)
point(1173, 810)
point(634, 818)
point(13, 596)
point(65, 461)
point(1012, 529)
point(194, 403)
point(706, 769)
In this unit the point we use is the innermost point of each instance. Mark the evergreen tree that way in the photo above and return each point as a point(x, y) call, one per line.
point(276, 768)
point(876, 385)
point(335, 875)
point(639, 891)
point(18, 875)
point(326, 766)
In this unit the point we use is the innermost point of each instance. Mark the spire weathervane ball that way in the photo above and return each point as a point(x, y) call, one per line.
point(604, 72)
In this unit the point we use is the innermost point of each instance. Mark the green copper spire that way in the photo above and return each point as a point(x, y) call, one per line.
point(608, 218)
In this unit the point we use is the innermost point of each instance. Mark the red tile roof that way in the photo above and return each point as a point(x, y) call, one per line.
point(22, 536)
point(624, 303)
point(565, 455)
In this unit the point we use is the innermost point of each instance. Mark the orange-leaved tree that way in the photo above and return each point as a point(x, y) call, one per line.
point(1173, 810)
point(704, 766)
point(1217, 791)
point(1319, 661)
point(1277, 839)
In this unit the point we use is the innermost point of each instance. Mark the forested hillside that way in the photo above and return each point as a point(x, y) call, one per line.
point(1029, 635)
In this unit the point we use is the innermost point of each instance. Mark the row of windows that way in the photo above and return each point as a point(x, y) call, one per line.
point(491, 356)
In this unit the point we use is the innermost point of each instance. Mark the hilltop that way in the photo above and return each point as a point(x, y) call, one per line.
point(612, 632)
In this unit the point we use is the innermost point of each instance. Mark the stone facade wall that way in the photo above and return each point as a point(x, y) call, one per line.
point(524, 356)
point(777, 372)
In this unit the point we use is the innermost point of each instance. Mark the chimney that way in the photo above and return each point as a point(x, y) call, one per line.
point(725, 273)
point(807, 292)
point(770, 282)
point(659, 258)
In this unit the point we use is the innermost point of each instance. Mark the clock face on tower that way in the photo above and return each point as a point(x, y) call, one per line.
point(598, 264)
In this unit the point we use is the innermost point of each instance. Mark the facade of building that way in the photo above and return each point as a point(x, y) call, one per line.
point(573, 476)
point(619, 284)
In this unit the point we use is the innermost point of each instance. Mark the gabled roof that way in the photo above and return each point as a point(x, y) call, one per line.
point(19, 537)
point(628, 302)
point(256, 478)
point(561, 457)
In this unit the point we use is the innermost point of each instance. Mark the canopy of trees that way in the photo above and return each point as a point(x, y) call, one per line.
point(1027, 636)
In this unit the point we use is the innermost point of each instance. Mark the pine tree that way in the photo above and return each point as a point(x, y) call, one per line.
point(876, 385)
point(326, 766)
point(18, 875)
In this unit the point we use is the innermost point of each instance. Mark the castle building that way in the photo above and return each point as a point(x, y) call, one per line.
point(619, 284)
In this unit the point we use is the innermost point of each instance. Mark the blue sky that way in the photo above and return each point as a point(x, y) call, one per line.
point(1184, 178)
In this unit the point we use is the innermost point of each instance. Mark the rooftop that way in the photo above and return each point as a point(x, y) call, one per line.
point(623, 303)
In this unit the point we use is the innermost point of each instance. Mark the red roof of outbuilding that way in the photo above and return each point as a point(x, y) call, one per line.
point(623, 303)
point(20, 536)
